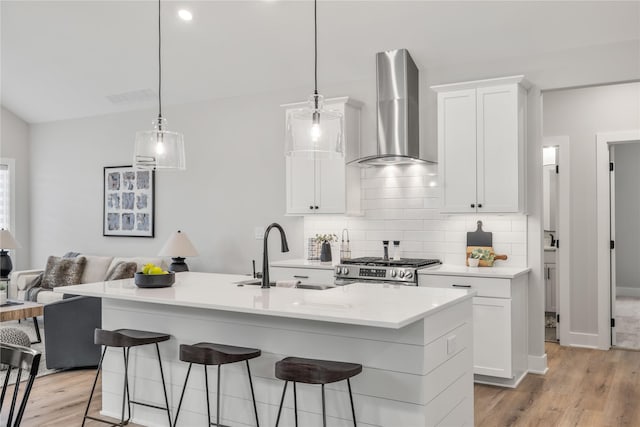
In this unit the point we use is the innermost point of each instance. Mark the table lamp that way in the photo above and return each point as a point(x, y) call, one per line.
point(178, 247)
point(6, 242)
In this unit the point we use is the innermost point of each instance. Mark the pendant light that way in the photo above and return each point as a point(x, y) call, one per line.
point(314, 131)
point(159, 148)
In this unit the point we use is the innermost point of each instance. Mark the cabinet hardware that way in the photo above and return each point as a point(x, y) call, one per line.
point(461, 286)
point(473, 205)
point(612, 245)
point(479, 205)
point(316, 207)
point(558, 318)
point(611, 166)
point(613, 323)
point(301, 277)
point(310, 207)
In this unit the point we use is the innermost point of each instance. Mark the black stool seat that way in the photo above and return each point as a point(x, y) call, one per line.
point(313, 371)
point(206, 353)
point(128, 337)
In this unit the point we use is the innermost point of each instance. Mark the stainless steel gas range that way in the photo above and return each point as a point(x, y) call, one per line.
point(378, 270)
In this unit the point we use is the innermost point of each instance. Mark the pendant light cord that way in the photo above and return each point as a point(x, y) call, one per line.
point(315, 49)
point(159, 67)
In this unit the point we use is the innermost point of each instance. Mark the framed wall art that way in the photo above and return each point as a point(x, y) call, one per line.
point(128, 204)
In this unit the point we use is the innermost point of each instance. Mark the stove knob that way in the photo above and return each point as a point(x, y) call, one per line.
point(345, 270)
point(409, 275)
point(401, 274)
point(393, 273)
point(338, 270)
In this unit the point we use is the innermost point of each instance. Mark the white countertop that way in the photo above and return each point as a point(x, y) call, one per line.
point(378, 305)
point(303, 263)
point(462, 270)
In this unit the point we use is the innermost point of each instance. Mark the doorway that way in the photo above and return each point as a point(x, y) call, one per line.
point(556, 200)
point(607, 146)
point(625, 233)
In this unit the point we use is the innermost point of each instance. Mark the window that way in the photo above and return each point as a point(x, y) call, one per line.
point(7, 221)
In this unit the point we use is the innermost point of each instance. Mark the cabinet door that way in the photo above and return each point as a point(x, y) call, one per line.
point(498, 149)
point(457, 150)
point(300, 185)
point(330, 186)
point(492, 337)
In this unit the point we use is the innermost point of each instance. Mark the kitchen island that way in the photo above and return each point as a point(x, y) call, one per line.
point(415, 345)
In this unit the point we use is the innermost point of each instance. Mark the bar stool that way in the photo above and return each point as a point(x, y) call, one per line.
point(206, 354)
point(313, 371)
point(127, 338)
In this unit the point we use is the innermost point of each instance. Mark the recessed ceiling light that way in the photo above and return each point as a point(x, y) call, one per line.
point(185, 14)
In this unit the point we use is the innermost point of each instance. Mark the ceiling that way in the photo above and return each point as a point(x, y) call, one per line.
point(64, 59)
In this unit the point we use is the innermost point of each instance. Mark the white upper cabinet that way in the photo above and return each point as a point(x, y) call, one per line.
point(327, 186)
point(481, 145)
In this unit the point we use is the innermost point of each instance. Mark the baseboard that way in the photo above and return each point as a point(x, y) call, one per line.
point(624, 291)
point(538, 364)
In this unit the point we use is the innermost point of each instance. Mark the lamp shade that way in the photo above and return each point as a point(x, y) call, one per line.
point(178, 245)
point(314, 131)
point(159, 149)
point(7, 241)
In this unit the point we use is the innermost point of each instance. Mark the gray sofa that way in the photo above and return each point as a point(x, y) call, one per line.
point(68, 332)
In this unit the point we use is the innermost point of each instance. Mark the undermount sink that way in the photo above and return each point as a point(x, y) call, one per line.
point(258, 282)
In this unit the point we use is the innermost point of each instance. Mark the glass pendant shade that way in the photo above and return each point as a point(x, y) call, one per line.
point(314, 131)
point(159, 149)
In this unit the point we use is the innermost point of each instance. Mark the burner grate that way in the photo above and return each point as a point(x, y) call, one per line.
point(403, 262)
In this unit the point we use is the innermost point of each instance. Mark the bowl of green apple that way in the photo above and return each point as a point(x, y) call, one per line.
point(153, 276)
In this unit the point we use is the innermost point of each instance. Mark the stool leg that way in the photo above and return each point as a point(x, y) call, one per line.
point(284, 391)
point(353, 410)
point(295, 403)
point(95, 381)
point(164, 386)
point(218, 399)
point(253, 396)
point(125, 390)
point(206, 386)
point(175, 421)
point(324, 412)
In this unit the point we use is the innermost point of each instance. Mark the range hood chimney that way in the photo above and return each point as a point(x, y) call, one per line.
point(397, 111)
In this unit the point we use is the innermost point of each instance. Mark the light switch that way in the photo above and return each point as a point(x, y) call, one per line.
point(451, 344)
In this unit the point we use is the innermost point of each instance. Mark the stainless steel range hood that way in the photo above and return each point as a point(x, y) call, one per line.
point(398, 111)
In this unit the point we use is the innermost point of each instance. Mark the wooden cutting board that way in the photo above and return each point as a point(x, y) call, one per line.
point(479, 237)
point(483, 262)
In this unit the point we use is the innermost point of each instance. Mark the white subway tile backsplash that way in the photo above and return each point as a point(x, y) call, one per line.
point(402, 203)
point(404, 224)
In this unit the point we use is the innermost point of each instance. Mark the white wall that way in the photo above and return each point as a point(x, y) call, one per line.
point(14, 144)
point(580, 114)
point(627, 218)
point(234, 179)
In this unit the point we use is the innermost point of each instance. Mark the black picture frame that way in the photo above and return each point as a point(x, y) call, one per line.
point(128, 202)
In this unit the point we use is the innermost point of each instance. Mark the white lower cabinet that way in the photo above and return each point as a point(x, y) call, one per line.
point(500, 313)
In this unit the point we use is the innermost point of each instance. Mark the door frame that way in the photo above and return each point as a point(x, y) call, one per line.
point(603, 205)
point(563, 264)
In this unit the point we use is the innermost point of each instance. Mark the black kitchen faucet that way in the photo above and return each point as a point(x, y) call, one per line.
point(265, 252)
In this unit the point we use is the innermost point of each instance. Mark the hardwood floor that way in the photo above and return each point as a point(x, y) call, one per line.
point(582, 388)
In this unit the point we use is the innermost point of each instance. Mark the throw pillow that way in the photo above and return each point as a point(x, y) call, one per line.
point(122, 270)
point(63, 271)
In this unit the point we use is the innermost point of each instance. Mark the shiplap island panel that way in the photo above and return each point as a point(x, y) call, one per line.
point(415, 345)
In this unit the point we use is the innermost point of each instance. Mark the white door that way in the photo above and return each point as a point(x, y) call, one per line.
point(492, 337)
point(300, 185)
point(498, 148)
point(457, 150)
point(330, 186)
